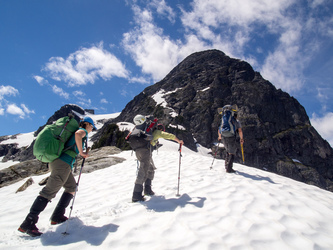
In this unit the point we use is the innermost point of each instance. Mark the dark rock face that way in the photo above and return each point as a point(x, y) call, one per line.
point(112, 136)
point(277, 131)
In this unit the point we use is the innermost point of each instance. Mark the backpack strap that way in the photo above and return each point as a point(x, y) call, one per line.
point(73, 146)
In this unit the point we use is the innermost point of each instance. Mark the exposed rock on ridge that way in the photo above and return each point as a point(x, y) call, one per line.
point(277, 130)
point(99, 159)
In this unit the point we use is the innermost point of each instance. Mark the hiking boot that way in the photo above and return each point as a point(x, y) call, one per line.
point(137, 197)
point(229, 163)
point(58, 216)
point(59, 220)
point(226, 160)
point(29, 224)
point(137, 193)
point(148, 190)
point(33, 231)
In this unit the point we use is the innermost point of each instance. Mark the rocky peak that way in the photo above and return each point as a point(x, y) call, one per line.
point(277, 130)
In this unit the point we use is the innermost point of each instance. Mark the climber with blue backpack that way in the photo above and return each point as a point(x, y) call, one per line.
point(60, 167)
point(227, 132)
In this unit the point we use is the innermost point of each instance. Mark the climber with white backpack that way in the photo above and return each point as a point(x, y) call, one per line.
point(142, 140)
point(227, 132)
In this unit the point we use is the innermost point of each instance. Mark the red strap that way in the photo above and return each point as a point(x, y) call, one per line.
point(151, 125)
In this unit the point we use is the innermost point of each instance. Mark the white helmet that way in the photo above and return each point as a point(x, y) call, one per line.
point(139, 119)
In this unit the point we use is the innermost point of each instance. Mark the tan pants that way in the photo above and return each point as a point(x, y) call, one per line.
point(147, 167)
point(61, 176)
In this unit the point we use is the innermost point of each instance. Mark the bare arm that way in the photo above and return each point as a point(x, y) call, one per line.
point(240, 132)
point(78, 139)
point(179, 141)
point(220, 136)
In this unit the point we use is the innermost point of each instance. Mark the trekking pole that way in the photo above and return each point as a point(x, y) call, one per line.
point(211, 167)
point(77, 185)
point(180, 155)
point(242, 152)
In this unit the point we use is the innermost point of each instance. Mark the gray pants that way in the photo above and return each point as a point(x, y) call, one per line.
point(147, 167)
point(61, 176)
point(230, 144)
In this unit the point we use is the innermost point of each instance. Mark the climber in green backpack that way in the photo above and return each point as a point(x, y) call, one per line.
point(61, 176)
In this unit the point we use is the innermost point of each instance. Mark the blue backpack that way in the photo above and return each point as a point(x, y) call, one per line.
point(228, 128)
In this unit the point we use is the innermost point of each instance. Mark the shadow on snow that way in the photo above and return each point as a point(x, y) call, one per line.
point(161, 204)
point(77, 232)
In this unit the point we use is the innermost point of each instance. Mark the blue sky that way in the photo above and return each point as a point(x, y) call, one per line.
point(99, 54)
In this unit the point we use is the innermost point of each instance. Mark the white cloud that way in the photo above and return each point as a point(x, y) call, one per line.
point(240, 28)
point(141, 80)
point(231, 25)
point(40, 80)
point(85, 103)
point(150, 49)
point(124, 92)
point(104, 101)
point(13, 109)
point(324, 126)
point(163, 9)
point(296, 33)
point(86, 66)
point(7, 91)
point(26, 110)
point(60, 92)
point(78, 93)
point(153, 51)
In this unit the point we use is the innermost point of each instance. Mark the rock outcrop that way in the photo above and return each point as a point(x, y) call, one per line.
point(278, 133)
point(99, 158)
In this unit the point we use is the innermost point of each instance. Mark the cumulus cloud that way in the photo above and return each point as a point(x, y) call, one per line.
point(233, 25)
point(324, 126)
point(7, 107)
point(22, 111)
point(163, 9)
point(140, 79)
point(13, 109)
point(85, 103)
point(26, 110)
point(78, 93)
point(150, 49)
point(104, 101)
point(288, 40)
point(7, 91)
point(59, 91)
point(86, 66)
point(153, 51)
point(41, 80)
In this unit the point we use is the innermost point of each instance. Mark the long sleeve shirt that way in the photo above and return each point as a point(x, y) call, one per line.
point(161, 134)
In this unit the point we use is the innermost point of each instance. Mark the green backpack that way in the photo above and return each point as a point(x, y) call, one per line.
point(50, 142)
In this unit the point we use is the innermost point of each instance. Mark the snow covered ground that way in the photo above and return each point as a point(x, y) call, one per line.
point(251, 209)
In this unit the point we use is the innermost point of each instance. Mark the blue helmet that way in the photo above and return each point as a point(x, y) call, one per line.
point(88, 119)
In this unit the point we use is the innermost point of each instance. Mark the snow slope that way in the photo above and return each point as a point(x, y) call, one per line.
point(251, 209)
